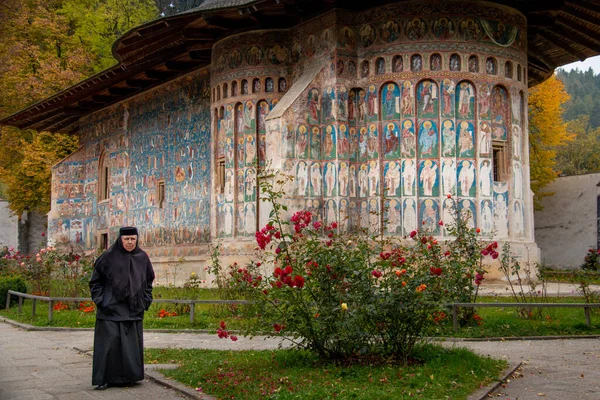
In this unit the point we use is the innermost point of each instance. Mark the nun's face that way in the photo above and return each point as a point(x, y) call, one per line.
point(129, 242)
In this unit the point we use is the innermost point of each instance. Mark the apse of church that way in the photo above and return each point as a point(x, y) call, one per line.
point(404, 110)
point(377, 115)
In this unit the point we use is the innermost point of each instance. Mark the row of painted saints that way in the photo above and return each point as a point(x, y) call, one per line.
point(400, 216)
point(392, 102)
point(399, 139)
point(428, 178)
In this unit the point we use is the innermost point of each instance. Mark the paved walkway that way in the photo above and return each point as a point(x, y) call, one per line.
point(44, 365)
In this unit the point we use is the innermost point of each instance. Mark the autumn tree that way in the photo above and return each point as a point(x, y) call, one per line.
point(547, 133)
point(25, 166)
point(45, 47)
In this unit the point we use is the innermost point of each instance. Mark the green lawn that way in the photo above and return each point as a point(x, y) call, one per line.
point(435, 373)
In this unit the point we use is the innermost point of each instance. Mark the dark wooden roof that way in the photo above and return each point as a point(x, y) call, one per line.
point(559, 32)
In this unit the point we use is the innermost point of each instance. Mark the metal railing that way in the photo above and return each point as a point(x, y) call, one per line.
point(51, 301)
point(192, 303)
point(586, 308)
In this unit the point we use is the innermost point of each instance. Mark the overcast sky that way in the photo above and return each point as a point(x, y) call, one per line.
point(593, 62)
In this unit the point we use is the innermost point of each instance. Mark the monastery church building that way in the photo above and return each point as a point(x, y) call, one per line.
point(378, 110)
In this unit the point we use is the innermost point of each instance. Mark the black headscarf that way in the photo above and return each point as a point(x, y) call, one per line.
point(126, 271)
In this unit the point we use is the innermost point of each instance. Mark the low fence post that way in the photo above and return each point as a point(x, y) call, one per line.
point(7, 300)
point(192, 311)
point(455, 317)
point(50, 306)
point(20, 304)
point(588, 319)
point(33, 307)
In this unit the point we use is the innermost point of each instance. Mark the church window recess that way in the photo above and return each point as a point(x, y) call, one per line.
point(499, 162)
point(364, 69)
point(218, 93)
point(282, 85)
point(380, 66)
point(103, 241)
point(397, 64)
point(491, 66)
point(234, 88)
point(225, 90)
point(519, 72)
point(221, 175)
point(416, 63)
point(256, 85)
point(508, 70)
point(103, 178)
point(455, 63)
point(473, 64)
point(269, 85)
point(435, 62)
point(160, 193)
point(244, 86)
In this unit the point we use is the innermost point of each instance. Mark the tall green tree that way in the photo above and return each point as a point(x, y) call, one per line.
point(582, 155)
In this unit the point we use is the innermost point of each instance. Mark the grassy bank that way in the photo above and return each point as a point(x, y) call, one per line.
point(434, 373)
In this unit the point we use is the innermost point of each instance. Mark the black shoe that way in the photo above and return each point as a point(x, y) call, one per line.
point(104, 386)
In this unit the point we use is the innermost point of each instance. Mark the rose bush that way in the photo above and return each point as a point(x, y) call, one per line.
point(343, 295)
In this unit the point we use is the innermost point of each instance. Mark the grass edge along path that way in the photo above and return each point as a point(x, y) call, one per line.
point(434, 373)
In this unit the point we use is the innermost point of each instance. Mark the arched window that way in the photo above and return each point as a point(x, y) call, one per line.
point(225, 91)
point(103, 177)
point(244, 86)
point(519, 72)
point(234, 88)
point(218, 93)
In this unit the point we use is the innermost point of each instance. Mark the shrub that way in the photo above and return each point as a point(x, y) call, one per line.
point(591, 262)
point(346, 295)
point(15, 283)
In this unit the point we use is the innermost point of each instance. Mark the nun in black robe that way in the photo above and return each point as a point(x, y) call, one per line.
point(121, 288)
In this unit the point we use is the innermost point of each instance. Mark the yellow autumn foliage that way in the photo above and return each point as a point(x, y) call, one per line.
point(547, 132)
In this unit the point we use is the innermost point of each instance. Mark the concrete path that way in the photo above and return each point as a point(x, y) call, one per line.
point(44, 365)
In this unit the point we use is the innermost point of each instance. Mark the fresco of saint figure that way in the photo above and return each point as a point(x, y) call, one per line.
point(408, 99)
point(465, 101)
point(301, 142)
point(430, 216)
point(485, 178)
point(465, 140)
point(466, 179)
point(408, 142)
point(391, 141)
point(390, 102)
point(448, 139)
point(409, 175)
point(428, 140)
point(448, 88)
point(393, 217)
point(392, 179)
point(428, 178)
point(314, 107)
point(329, 142)
point(427, 99)
point(409, 219)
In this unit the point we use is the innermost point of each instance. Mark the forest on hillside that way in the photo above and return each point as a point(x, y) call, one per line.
point(582, 114)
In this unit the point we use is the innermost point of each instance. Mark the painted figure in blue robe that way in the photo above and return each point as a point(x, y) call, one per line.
point(391, 102)
point(391, 141)
point(428, 140)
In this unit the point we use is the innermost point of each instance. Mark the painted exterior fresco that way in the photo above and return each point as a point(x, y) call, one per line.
point(161, 136)
point(378, 115)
